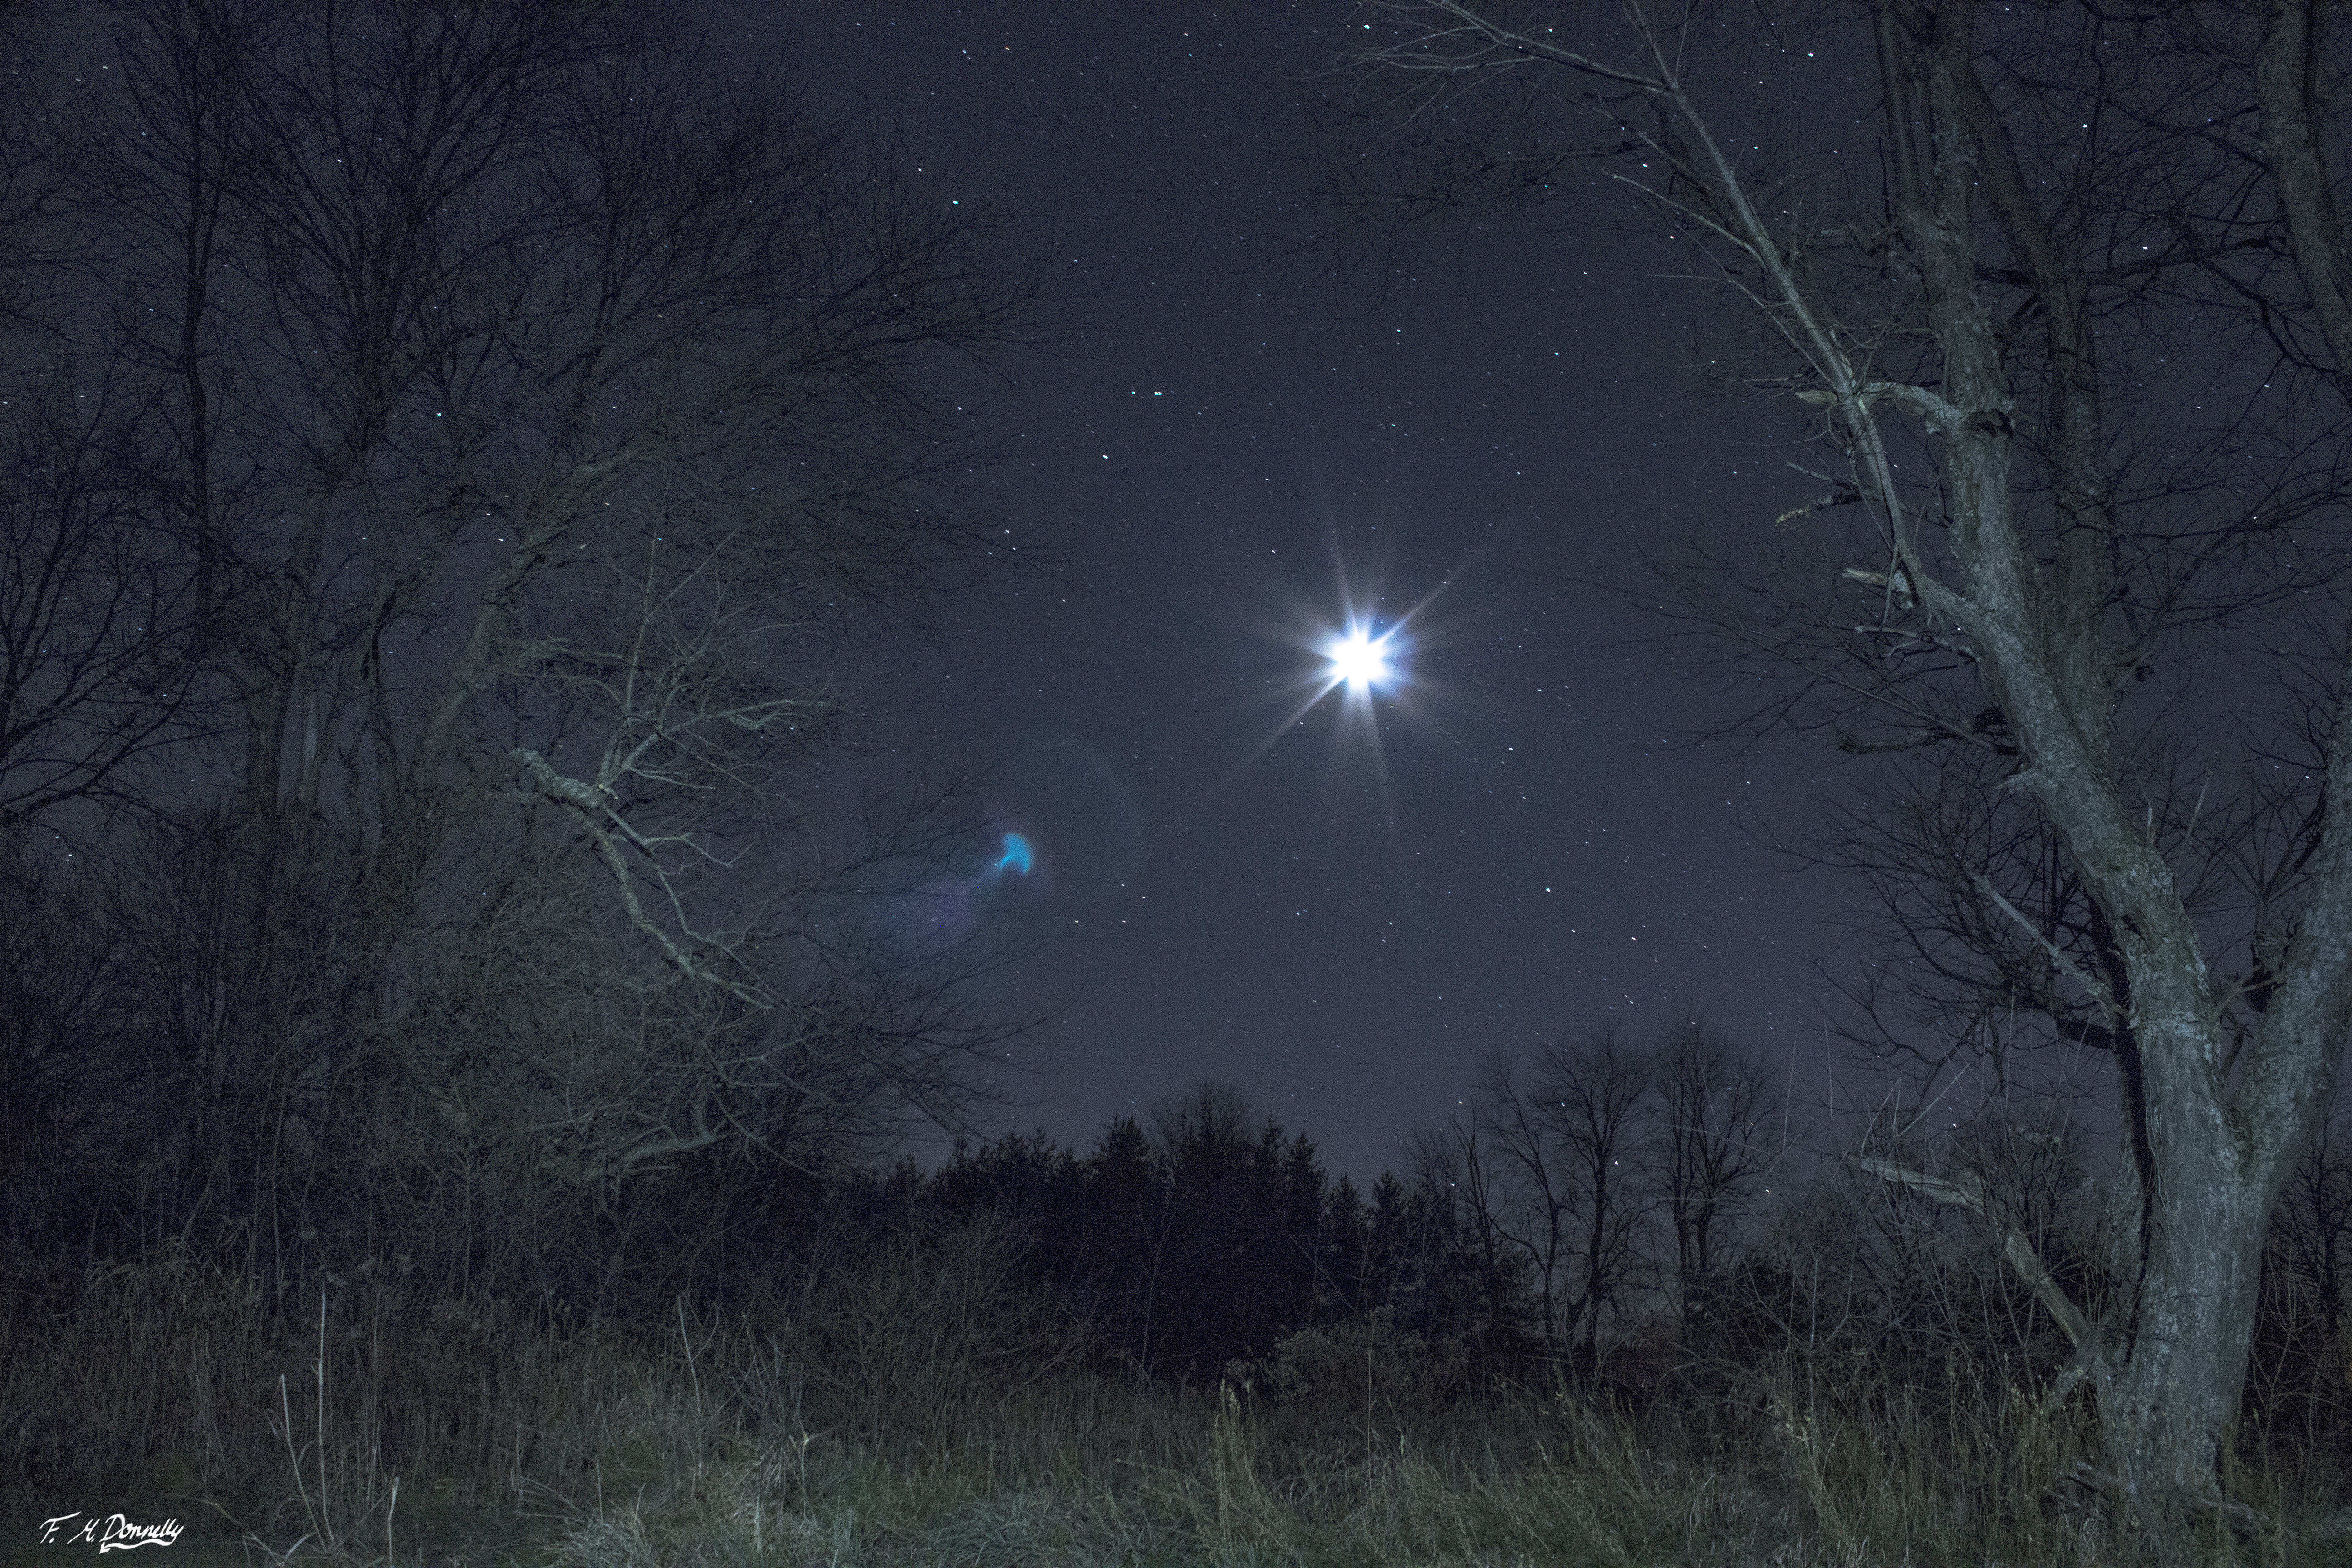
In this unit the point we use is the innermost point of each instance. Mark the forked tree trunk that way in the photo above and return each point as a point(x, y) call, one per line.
point(2170, 1361)
point(2222, 1084)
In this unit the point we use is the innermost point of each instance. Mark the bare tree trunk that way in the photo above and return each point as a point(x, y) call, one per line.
point(2017, 576)
point(1711, 1106)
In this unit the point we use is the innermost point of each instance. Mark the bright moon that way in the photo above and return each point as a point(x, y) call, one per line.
point(1359, 661)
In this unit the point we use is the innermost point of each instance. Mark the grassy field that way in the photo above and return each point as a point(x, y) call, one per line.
point(383, 1430)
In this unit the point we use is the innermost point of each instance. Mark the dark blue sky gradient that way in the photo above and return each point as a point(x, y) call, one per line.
point(1234, 438)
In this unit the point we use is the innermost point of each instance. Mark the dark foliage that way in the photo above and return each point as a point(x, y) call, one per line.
point(1176, 1260)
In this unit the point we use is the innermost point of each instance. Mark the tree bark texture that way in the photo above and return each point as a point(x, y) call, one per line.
point(2012, 563)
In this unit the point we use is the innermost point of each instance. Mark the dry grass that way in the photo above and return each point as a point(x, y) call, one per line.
point(882, 1420)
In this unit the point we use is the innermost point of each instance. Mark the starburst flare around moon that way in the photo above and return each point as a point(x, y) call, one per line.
point(1366, 661)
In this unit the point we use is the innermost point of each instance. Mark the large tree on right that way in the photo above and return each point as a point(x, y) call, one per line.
point(2058, 299)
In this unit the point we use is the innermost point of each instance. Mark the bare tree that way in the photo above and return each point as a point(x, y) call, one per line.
point(1862, 1284)
point(97, 612)
point(526, 417)
point(1712, 1152)
point(1451, 1168)
point(2080, 349)
point(54, 957)
point(1519, 1182)
point(1568, 1138)
point(2299, 1354)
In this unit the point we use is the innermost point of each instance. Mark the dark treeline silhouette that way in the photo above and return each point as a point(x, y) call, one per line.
point(1209, 1248)
point(1209, 1262)
point(1216, 1246)
point(1174, 1257)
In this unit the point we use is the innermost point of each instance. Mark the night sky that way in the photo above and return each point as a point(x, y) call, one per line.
point(1235, 443)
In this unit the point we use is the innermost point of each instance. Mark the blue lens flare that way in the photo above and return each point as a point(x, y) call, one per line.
point(941, 911)
point(1016, 854)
